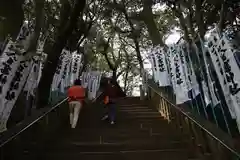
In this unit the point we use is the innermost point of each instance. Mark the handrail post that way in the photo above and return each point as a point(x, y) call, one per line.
point(204, 142)
point(142, 96)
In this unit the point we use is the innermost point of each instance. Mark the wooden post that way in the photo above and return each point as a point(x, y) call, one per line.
point(141, 93)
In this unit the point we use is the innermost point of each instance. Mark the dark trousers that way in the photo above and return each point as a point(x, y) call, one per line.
point(111, 111)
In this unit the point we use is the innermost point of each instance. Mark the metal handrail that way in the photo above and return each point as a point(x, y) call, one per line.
point(14, 135)
point(197, 123)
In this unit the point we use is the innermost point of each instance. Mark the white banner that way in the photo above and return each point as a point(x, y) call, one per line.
point(10, 60)
point(32, 82)
point(76, 65)
point(190, 75)
point(94, 80)
point(35, 73)
point(231, 72)
point(91, 81)
point(154, 65)
point(65, 79)
point(42, 62)
point(15, 89)
point(184, 65)
point(161, 65)
point(206, 93)
point(210, 89)
point(24, 37)
point(172, 71)
point(60, 70)
point(90, 88)
point(85, 79)
point(8, 66)
point(181, 88)
point(213, 45)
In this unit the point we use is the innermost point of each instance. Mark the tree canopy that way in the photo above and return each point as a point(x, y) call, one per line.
point(112, 35)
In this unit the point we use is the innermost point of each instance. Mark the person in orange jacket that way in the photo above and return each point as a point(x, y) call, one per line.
point(76, 96)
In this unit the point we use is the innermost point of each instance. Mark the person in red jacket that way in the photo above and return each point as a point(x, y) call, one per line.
point(109, 96)
point(76, 95)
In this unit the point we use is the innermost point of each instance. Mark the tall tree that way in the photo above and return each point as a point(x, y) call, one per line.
point(11, 18)
point(67, 25)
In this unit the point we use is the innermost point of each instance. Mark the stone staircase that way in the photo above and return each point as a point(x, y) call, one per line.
point(139, 133)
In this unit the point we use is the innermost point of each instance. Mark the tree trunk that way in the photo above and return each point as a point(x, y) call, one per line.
point(222, 17)
point(23, 105)
point(12, 13)
point(148, 19)
point(84, 62)
point(135, 36)
point(139, 57)
point(199, 18)
point(178, 13)
point(39, 15)
point(184, 28)
point(114, 75)
point(125, 81)
point(190, 21)
point(52, 60)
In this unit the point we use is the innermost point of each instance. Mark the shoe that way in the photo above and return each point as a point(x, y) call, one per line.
point(112, 122)
point(105, 117)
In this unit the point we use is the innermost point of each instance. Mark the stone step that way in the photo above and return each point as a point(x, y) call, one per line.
point(133, 128)
point(140, 133)
point(135, 110)
point(128, 106)
point(111, 146)
point(124, 155)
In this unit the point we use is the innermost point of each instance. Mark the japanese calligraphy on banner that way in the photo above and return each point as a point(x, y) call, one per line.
point(172, 71)
point(36, 71)
point(24, 37)
point(32, 81)
point(208, 85)
point(16, 86)
point(65, 79)
point(12, 65)
point(213, 43)
point(161, 70)
point(190, 75)
point(154, 66)
point(75, 66)
point(183, 64)
point(232, 73)
point(11, 58)
point(178, 67)
point(59, 74)
point(8, 66)
point(227, 69)
point(14, 72)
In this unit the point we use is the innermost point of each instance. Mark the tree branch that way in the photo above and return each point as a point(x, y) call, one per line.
point(154, 34)
point(178, 13)
point(106, 46)
point(120, 73)
point(199, 18)
point(222, 16)
point(39, 14)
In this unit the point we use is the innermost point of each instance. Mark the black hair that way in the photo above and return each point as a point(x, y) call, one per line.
point(77, 82)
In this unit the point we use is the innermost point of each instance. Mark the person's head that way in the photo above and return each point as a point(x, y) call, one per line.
point(77, 82)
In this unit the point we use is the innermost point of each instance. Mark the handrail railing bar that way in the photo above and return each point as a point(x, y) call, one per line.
point(198, 124)
point(33, 122)
point(39, 118)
